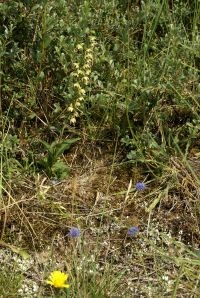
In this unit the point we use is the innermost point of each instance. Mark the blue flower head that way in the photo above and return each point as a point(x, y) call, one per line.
point(74, 232)
point(132, 232)
point(140, 186)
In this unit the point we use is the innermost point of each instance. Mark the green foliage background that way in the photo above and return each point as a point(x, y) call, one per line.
point(143, 88)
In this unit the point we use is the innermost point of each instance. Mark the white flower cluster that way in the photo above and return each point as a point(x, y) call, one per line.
point(13, 262)
point(29, 289)
point(81, 74)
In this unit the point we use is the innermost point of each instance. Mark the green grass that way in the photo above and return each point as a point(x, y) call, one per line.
point(94, 97)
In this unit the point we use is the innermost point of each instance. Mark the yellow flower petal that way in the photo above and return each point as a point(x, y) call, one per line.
point(58, 279)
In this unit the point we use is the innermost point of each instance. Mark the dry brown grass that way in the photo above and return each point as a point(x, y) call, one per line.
point(99, 197)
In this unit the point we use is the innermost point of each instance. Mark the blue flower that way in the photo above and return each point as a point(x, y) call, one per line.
point(140, 186)
point(74, 232)
point(132, 232)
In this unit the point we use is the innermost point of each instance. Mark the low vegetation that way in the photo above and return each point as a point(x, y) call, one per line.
point(100, 151)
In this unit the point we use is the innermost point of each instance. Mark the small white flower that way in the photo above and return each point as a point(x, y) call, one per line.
point(85, 80)
point(79, 46)
point(92, 38)
point(77, 104)
point(89, 56)
point(70, 108)
point(76, 65)
point(77, 85)
point(79, 72)
point(81, 91)
point(73, 120)
point(88, 72)
point(89, 51)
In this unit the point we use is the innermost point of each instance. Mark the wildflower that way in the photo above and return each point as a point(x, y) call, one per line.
point(88, 72)
point(74, 232)
point(89, 51)
point(77, 104)
point(92, 38)
point(77, 85)
point(93, 44)
point(132, 231)
point(73, 120)
point(79, 72)
point(140, 186)
point(89, 56)
point(81, 91)
point(74, 74)
point(58, 279)
point(70, 108)
point(85, 80)
point(79, 46)
point(87, 66)
point(76, 65)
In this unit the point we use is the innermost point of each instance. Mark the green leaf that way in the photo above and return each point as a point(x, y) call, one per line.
point(60, 170)
point(61, 147)
point(46, 145)
point(51, 163)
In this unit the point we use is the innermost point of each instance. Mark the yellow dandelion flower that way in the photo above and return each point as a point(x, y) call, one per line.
point(58, 279)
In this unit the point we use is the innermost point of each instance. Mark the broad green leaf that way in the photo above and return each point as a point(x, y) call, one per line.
point(61, 147)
